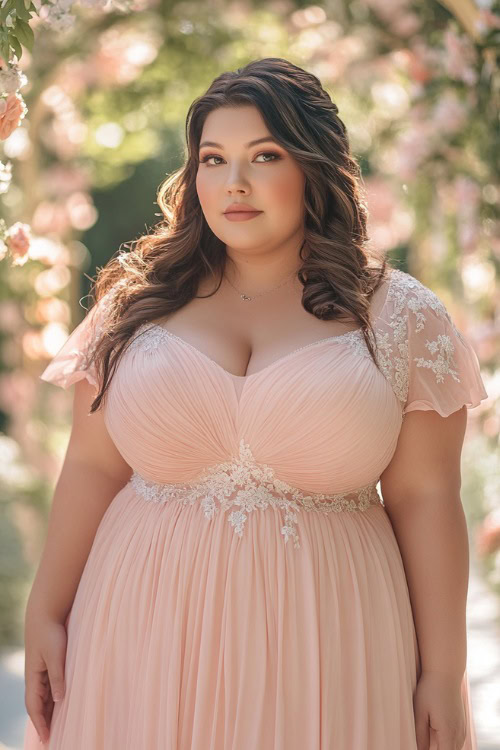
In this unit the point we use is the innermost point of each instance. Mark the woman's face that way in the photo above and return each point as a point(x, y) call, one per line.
point(263, 175)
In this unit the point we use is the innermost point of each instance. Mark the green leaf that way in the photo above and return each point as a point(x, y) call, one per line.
point(22, 11)
point(9, 5)
point(24, 33)
point(16, 46)
point(4, 50)
point(4, 12)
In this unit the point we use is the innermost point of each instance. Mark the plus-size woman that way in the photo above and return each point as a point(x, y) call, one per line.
point(257, 540)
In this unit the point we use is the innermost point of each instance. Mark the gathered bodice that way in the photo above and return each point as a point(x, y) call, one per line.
point(328, 425)
point(316, 426)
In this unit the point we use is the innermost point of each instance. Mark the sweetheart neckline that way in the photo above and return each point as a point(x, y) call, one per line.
point(244, 378)
point(169, 334)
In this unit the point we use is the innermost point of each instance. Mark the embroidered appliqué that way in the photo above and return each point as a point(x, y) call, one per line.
point(356, 342)
point(409, 302)
point(410, 297)
point(242, 486)
point(444, 362)
point(149, 336)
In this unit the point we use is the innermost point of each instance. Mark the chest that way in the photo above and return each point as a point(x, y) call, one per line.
point(244, 337)
point(323, 411)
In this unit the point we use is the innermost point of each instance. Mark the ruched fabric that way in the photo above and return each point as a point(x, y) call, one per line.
point(201, 621)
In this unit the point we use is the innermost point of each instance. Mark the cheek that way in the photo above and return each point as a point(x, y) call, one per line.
point(286, 189)
point(206, 193)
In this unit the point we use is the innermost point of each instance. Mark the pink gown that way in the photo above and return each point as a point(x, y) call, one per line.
point(245, 589)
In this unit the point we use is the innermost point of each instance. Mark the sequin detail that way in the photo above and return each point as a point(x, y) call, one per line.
point(242, 485)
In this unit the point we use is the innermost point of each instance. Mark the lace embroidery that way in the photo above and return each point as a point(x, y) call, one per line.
point(245, 485)
point(443, 364)
point(149, 336)
point(411, 296)
point(407, 299)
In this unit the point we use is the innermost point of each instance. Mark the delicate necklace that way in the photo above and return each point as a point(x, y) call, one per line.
point(246, 297)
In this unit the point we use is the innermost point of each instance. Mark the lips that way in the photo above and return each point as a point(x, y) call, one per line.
point(241, 208)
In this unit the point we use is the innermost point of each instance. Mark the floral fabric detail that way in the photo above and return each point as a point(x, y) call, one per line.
point(429, 361)
point(242, 485)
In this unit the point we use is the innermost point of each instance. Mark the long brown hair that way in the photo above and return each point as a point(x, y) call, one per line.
point(162, 272)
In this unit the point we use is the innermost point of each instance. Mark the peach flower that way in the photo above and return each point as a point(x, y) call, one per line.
point(12, 111)
point(18, 240)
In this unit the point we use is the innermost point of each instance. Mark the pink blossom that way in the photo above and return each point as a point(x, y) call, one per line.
point(487, 20)
point(449, 114)
point(12, 111)
point(388, 8)
point(459, 58)
point(424, 62)
point(18, 240)
point(406, 24)
point(61, 179)
point(50, 216)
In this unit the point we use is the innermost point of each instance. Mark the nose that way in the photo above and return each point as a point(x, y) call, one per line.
point(236, 180)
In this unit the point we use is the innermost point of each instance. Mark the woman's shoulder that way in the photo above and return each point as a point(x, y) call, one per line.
point(429, 361)
point(411, 307)
point(404, 286)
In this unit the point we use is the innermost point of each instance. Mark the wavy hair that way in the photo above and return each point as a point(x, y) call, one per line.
point(340, 271)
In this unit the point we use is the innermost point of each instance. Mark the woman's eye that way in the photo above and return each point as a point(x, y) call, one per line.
point(205, 159)
point(269, 153)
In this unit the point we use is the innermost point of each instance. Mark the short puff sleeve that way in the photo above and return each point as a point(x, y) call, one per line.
point(73, 361)
point(443, 368)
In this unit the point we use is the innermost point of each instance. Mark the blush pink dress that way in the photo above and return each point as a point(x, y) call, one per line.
point(245, 589)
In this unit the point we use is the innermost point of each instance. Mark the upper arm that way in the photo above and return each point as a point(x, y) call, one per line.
point(426, 462)
point(90, 442)
point(436, 375)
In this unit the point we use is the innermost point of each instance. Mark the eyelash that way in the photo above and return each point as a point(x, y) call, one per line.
point(263, 153)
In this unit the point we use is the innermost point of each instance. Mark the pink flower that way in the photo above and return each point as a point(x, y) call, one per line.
point(12, 111)
point(18, 241)
point(487, 20)
point(459, 57)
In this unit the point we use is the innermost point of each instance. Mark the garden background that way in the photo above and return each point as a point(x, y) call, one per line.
point(93, 98)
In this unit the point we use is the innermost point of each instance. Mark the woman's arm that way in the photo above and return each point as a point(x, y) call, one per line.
point(92, 473)
point(421, 493)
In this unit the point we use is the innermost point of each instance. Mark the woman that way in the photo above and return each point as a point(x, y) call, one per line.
point(220, 570)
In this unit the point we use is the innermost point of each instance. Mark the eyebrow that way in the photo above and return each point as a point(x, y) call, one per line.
point(266, 138)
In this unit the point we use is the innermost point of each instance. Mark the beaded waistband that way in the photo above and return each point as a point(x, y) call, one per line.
point(245, 485)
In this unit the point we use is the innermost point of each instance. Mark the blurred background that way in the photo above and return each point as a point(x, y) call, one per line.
point(92, 110)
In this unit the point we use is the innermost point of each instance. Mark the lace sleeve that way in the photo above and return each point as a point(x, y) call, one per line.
point(443, 368)
point(73, 361)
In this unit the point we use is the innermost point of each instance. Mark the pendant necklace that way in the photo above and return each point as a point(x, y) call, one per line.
point(246, 297)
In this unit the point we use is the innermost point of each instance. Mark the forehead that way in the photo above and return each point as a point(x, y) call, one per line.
point(234, 126)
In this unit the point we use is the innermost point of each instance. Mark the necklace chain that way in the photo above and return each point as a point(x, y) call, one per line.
point(246, 297)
